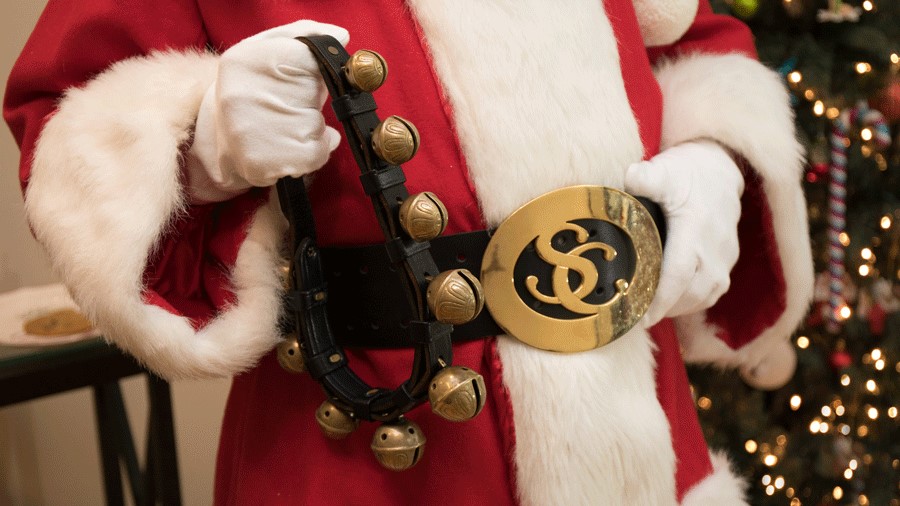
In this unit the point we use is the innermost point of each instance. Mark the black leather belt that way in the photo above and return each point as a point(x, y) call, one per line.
point(368, 309)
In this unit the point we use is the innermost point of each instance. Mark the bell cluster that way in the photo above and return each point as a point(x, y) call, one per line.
point(454, 297)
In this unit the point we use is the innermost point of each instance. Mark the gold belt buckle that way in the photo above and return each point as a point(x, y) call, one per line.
point(533, 227)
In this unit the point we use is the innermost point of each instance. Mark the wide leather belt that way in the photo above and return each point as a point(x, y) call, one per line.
point(368, 308)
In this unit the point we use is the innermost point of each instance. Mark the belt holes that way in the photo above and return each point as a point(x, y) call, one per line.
point(374, 326)
point(599, 290)
point(364, 269)
point(336, 274)
point(350, 328)
point(404, 324)
point(461, 257)
point(593, 232)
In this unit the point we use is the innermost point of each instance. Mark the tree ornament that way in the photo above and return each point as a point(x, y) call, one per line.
point(887, 102)
point(840, 360)
point(745, 9)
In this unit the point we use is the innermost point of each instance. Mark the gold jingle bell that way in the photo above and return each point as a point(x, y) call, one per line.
point(455, 296)
point(395, 140)
point(289, 355)
point(398, 446)
point(335, 424)
point(423, 216)
point(457, 393)
point(366, 70)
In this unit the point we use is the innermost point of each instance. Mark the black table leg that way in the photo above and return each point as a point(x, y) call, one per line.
point(162, 461)
point(109, 452)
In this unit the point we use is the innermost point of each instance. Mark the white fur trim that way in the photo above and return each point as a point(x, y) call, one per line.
point(738, 102)
point(663, 22)
point(722, 488)
point(508, 91)
point(103, 188)
point(589, 427)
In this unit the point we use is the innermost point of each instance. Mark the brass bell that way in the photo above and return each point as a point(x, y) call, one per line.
point(335, 423)
point(289, 355)
point(455, 296)
point(423, 216)
point(399, 445)
point(395, 140)
point(457, 393)
point(366, 70)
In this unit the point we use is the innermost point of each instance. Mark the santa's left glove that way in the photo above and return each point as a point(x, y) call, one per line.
point(699, 187)
point(261, 119)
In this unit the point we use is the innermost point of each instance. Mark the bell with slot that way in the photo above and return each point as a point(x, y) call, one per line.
point(395, 140)
point(457, 393)
point(366, 70)
point(335, 424)
point(455, 296)
point(398, 445)
point(423, 216)
point(289, 355)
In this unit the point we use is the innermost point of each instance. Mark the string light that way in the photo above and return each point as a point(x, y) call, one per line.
point(750, 446)
point(803, 342)
point(895, 58)
point(873, 413)
point(868, 5)
point(704, 402)
point(837, 493)
point(839, 411)
point(844, 429)
point(766, 479)
point(862, 431)
point(824, 427)
point(844, 239)
point(770, 460)
point(871, 386)
point(863, 500)
point(790, 493)
point(866, 254)
point(781, 440)
point(885, 222)
point(876, 354)
point(795, 77)
point(796, 401)
point(818, 108)
point(815, 425)
point(879, 364)
point(832, 113)
point(826, 411)
point(809, 95)
point(845, 312)
point(853, 464)
point(779, 482)
point(848, 473)
point(866, 134)
point(845, 380)
point(864, 270)
point(892, 411)
point(863, 67)
point(795, 502)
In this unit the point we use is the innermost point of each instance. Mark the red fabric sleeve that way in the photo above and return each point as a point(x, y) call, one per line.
point(72, 43)
point(756, 297)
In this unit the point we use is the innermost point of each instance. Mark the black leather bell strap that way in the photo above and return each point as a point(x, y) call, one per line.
point(366, 306)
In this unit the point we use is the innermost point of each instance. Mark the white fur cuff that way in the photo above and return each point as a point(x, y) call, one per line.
point(103, 187)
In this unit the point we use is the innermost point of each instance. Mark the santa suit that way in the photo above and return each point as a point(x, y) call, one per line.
point(512, 100)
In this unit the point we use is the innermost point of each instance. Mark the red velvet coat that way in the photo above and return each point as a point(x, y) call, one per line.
point(512, 100)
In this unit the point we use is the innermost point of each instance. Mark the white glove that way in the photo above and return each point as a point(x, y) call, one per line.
point(261, 119)
point(699, 188)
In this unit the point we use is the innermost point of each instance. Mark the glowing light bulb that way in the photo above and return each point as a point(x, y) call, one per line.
point(839, 411)
point(770, 460)
point(819, 108)
point(837, 493)
point(809, 95)
point(770, 490)
point(876, 354)
point(892, 411)
point(844, 429)
point(826, 410)
point(845, 312)
point(751, 446)
point(866, 134)
point(885, 222)
point(864, 270)
point(766, 479)
point(868, 5)
point(803, 342)
point(832, 112)
point(848, 473)
point(814, 426)
point(871, 386)
point(843, 237)
point(795, 77)
point(845, 380)
point(704, 402)
point(866, 254)
point(873, 413)
point(779, 482)
point(895, 58)
point(796, 401)
point(853, 464)
point(862, 431)
point(879, 364)
point(863, 67)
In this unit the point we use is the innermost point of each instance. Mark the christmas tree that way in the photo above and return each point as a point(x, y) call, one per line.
point(832, 434)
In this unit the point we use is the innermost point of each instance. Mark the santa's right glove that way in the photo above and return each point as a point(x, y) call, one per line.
point(261, 119)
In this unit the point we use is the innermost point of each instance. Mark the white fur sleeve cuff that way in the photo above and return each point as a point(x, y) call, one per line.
point(741, 104)
point(104, 185)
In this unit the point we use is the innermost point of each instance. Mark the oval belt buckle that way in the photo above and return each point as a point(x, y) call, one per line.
point(541, 270)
